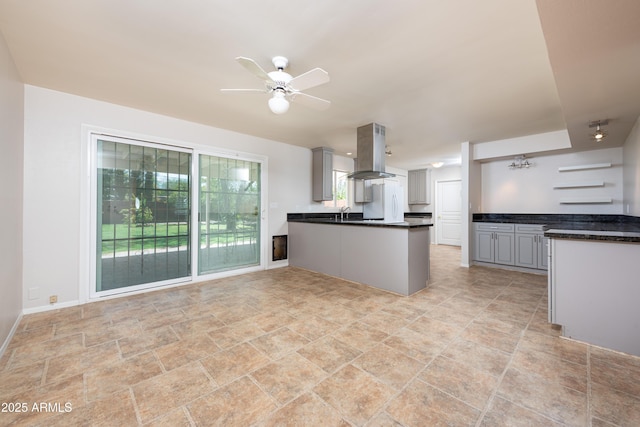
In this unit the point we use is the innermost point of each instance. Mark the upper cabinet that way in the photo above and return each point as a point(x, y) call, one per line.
point(419, 187)
point(322, 174)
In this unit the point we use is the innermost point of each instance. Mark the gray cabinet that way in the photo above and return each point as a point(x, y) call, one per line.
point(419, 187)
point(494, 243)
point(531, 246)
point(322, 174)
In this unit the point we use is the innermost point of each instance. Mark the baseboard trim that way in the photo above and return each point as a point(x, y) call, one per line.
point(50, 307)
point(7, 340)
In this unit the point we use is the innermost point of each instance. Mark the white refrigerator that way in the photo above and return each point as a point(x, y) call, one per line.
point(387, 203)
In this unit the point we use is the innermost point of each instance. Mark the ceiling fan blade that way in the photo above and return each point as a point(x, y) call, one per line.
point(253, 67)
point(309, 101)
point(244, 90)
point(315, 77)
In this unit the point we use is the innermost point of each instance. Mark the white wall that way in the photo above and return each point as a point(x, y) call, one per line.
point(531, 190)
point(632, 172)
point(11, 175)
point(55, 180)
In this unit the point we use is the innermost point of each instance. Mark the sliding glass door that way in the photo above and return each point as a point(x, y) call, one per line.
point(229, 232)
point(143, 214)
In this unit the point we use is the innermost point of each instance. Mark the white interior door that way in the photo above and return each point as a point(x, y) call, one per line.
point(448, 212)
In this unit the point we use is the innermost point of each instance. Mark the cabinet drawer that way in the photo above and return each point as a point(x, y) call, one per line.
point(529, 228)
point(492, 226)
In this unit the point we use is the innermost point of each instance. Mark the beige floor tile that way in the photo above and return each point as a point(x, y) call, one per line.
point(490, 337)
point(618, 373)
point(360, 335)
point(416, 345)
point(423, 405)
point(72, 364)
point(288, 377)
point(31, 336)
point(68, 391)
point(196, 326)
point(449, 315)
point(472, 386)
point(615, 406)
point(240, 403)
point(181, 352)
point(548, 398)
point(225, 337)
point(115, 410)
point(113, 332)
point(389, 366)
point(435, 330)
point(21, 379)
point(333, 339)
point(146, 340)
point(312, 327)
point(505, 413)
point(279, 343)
point(354, 393)
point(163, 393)
point(565, 373)
point(229, 365)
point(306, 410)
point(386, 322)
point(104, 381)
point(176, 418)
point(477, 356)
point(572, 351)
point(329, 353)
point(29, 354)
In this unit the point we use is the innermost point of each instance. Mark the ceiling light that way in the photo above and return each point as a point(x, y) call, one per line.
point(437, 164)
point(278, 103)
point(599, 134)
point(519, 162)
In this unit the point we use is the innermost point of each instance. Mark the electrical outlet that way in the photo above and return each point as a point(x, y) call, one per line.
point(53, 299)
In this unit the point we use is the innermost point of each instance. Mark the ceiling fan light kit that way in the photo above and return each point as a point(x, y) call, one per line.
point(283, 86)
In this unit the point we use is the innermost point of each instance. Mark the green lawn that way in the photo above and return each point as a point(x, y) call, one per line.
point(122, 238)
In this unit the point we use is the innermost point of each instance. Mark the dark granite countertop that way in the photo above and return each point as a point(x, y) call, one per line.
point(614, 228)
point(356, 219)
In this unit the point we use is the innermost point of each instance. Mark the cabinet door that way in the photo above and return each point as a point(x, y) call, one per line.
point(322, 186)
point(484, 247)
point(504, 248)
point(419, 185)
point(543, 252)
point(527, 250)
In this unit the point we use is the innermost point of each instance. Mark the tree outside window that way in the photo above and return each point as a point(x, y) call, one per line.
point(340, 190)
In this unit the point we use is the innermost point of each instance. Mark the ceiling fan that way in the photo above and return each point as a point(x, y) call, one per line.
point(283, 86)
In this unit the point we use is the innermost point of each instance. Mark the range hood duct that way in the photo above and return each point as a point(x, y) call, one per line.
point(371, 152)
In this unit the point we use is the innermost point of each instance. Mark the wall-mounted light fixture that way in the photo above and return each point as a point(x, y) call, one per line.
point(387, 150)
point(519, 162)
point(599, 134)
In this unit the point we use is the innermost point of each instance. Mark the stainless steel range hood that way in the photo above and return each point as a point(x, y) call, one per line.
point(371, 152)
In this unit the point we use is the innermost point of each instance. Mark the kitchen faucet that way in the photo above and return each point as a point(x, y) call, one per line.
point(343, 210)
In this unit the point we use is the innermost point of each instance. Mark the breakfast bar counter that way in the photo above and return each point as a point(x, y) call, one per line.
point(389, 256)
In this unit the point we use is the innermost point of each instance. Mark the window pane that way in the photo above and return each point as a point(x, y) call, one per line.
point(229, 214)
point(143, 197)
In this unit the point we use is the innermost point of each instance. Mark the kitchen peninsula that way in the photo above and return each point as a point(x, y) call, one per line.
point(593, 286)
point(389, 256)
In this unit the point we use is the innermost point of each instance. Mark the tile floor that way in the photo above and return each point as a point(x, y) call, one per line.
point(292, 347)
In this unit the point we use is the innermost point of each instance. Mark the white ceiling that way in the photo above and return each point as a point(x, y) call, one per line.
point(435, 73)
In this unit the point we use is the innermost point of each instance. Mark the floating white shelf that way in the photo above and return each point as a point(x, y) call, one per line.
point(579, 184)
point(586, 200)
point(583, 167)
